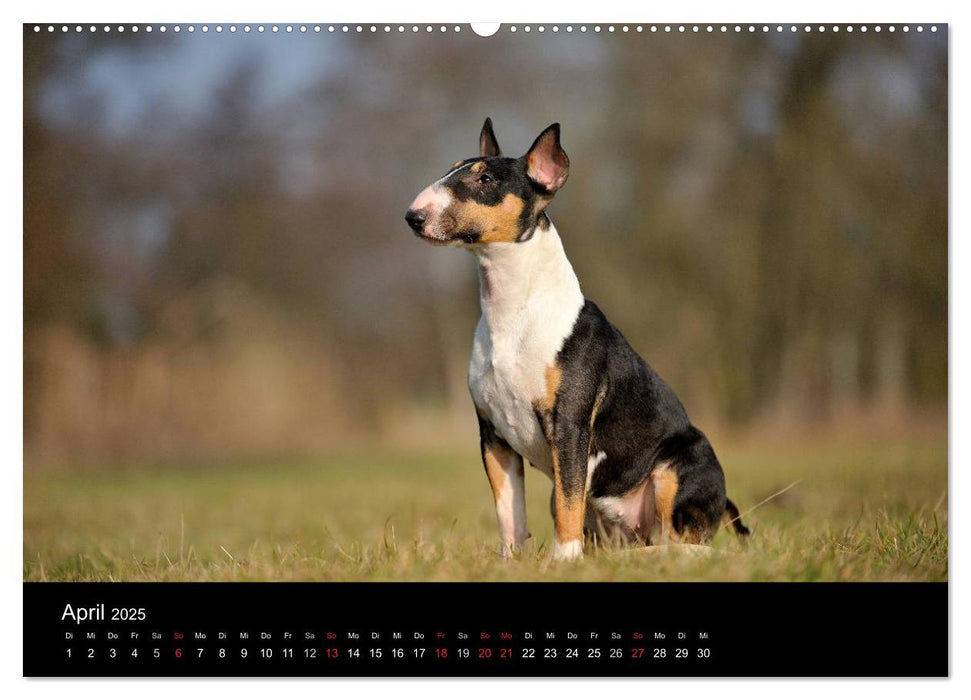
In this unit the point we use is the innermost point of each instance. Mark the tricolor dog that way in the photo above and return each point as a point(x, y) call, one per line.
point(553, 381)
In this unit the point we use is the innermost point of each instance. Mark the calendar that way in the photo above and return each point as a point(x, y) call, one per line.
point(482, 630)
point(532, 349)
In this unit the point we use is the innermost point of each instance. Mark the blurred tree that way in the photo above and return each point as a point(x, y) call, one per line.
point(222, 266)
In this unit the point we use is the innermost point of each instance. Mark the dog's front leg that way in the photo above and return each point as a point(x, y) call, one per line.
point(504, 467)
point(566, 425)
point(570, 448)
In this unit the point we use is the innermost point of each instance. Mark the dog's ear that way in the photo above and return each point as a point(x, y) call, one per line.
point(488, 146)
point(546, 162)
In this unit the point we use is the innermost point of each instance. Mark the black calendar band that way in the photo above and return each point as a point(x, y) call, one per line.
point(486, 629)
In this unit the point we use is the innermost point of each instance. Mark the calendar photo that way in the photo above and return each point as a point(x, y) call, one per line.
point(610, 312)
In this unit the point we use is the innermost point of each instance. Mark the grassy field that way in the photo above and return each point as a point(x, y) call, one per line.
point(874, 510)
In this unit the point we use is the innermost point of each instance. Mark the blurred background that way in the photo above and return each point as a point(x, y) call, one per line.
point(216, 262)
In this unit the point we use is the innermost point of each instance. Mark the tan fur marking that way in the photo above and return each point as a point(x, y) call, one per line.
point(554, 375)
point(455, 165)
point(568, 512)
point(569, 515)
point(597, 403)
point(494, 456)
point(498, 224)
point(478, 167)
point(539, 206)
point(665, 482)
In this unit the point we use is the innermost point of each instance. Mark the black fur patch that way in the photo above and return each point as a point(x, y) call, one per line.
point(639, 424)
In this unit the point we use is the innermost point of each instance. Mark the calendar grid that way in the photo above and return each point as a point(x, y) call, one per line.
point(626, 629)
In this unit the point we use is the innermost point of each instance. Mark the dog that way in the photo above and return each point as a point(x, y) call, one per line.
point(553, 382)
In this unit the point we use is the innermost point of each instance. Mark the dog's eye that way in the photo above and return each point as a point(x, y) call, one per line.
point(485, 177)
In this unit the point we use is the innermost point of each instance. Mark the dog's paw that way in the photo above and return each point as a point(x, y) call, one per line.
point(509, 550)
point(514, 546)
point(568, 551)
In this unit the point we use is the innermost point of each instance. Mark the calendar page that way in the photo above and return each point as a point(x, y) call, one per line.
point(563, 349)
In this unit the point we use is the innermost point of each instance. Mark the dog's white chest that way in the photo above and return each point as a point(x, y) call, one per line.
point(506, 384)
point(530, 303)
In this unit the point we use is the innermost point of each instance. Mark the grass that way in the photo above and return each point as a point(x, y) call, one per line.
point(872, 510)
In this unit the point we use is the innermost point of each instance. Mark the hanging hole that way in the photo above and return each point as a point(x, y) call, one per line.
point(485, 28)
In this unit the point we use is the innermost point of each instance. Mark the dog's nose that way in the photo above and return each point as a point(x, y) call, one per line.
point(415, 219)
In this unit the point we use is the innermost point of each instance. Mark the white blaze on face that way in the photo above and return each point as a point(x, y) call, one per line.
point(432, 200)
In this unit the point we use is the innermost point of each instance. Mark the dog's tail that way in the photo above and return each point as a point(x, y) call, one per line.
point(734, 519)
